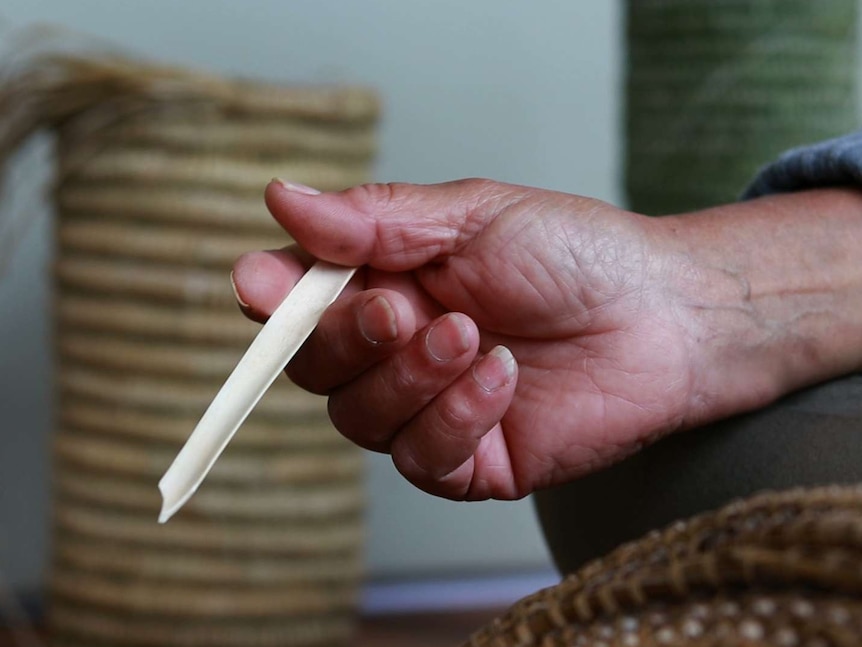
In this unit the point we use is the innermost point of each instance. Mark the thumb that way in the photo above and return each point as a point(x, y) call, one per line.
point(393, 227)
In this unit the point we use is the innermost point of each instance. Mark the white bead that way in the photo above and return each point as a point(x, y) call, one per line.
point(751, 630)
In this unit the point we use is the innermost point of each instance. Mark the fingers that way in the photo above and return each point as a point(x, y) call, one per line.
point(373, 407)
point(430, 403)
point(358, 330)
point(354, 334)
point(401, 377)
point(261, 280)
point(394, 227)
point(433, 449)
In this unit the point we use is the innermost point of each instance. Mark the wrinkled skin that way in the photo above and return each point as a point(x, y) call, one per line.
point(569, 285)
point(499, 339)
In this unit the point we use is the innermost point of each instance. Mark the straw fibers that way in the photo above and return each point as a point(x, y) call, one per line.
point(778, 569)
point(160, 175)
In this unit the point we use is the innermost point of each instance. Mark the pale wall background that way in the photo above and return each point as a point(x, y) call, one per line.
point(526, 92)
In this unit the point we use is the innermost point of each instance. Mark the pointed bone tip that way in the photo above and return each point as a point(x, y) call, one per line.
point(166, 512)
point(168, 509)
point(171, 501)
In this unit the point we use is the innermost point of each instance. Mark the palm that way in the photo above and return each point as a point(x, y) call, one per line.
point(582, 294)
point(602, 368)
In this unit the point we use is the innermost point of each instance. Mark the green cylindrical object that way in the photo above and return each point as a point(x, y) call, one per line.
point(717, 89)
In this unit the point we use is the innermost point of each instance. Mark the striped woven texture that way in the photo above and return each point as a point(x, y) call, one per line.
point(158, 193)
point(717, 88)
point(775, 570)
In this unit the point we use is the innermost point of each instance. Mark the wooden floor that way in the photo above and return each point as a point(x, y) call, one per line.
point(401, 630)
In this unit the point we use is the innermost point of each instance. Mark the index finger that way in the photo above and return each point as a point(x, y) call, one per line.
point(393, 227)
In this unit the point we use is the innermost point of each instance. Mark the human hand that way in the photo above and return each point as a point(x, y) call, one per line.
point(500, 339)
point(417, 356)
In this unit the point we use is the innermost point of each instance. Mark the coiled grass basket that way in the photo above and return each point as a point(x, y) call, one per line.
point(160, 174)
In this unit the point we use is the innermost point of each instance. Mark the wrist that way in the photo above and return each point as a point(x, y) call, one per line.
point(768, 294)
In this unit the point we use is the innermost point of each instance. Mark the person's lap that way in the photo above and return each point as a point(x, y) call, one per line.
point(813, 437)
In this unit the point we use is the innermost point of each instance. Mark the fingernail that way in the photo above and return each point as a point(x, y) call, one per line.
point(447, 339)
point(236, 293)
point(377, 321)
point(295, 187)
point(495, 370)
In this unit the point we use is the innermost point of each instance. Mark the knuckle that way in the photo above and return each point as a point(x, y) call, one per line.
point(485, 192)
point(479, 185)
point(454, 415)
point(374, 197)
point(403, 378)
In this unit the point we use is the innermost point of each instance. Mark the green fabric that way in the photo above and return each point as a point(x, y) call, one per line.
point(717, 88)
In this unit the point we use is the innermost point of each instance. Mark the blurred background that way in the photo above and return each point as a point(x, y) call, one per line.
point(527, 93)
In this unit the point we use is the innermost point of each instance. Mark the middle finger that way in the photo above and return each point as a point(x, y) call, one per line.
point(373, 407)
point(353, 334)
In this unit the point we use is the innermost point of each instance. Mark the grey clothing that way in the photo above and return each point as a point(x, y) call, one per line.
point(835, 162)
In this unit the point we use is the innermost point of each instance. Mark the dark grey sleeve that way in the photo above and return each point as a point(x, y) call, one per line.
point(831, 163)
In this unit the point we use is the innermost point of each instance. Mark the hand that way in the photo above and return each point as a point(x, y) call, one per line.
point(500, 339)
point(417, 357)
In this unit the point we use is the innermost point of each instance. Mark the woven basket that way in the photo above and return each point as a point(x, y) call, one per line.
point(776, 570)
point(160, 185)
